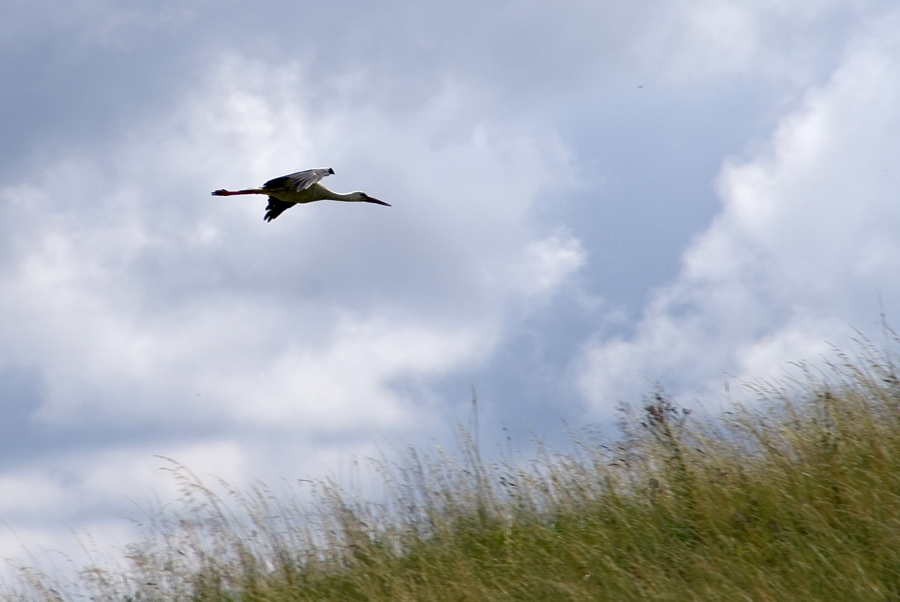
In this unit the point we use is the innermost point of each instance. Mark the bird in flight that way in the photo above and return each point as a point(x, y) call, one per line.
point(298, 188)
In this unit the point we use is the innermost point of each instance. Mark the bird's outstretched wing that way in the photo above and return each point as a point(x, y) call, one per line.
point(300, 180)
point(276, 208)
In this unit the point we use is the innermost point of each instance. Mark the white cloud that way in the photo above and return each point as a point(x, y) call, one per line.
point(344, 387)
point(805, 243)
point(697, 41)
point(145, 303)
point(549, 263)
point(28, 492)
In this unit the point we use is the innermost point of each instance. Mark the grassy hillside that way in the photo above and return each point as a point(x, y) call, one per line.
point(793, 498)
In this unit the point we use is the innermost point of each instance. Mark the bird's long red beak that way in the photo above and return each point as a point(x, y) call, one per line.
point(376, 201)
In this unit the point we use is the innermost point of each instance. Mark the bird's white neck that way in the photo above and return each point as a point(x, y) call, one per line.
point(352, 197)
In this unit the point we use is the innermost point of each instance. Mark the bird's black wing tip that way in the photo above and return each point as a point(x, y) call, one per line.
point(275, 208)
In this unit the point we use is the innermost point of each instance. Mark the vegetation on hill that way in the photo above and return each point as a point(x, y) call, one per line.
point(795, 496)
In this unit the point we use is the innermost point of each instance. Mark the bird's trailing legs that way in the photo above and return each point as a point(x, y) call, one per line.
point(224, 192)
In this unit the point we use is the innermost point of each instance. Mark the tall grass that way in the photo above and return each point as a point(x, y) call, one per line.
point(794, 497)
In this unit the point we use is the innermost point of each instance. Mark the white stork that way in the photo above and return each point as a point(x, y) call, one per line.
point(298, 188)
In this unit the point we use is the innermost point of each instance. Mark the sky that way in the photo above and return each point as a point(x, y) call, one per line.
point(589, 199)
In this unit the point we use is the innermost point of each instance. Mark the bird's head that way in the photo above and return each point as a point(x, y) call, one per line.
point(363, 197)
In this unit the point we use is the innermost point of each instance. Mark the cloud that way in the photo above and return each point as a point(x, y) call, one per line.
point(146, 305)
point(803, 247)
point(695, 42)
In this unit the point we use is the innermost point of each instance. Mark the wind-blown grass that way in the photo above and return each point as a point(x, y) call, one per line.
point(795, 497)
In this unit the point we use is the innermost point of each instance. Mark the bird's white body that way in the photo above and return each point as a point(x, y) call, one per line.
point(299, 188)
point(316, 192)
